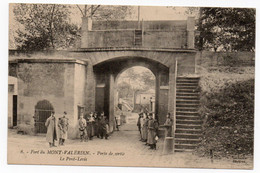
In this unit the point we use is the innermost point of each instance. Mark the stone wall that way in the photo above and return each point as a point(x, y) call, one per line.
point(166, 25)
point(155, 34)
point(60, 82)
point(211, 58)
point(186, 63)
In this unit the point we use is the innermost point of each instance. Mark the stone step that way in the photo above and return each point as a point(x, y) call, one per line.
point(190, 131)
point(185, 146)
point(186, 109)
point(189, 94)
point(183, 150)
point(186, 105)
point(182, 98)
point(187, 136)
point(188, 126)
point(188, 121)
point(186, 141)
point(186, 84)
point(188, 117)
point(179, 82)
point(186, 87)
point(183, 101)
point(186, 113)
point(189, 78)
point(186, 91)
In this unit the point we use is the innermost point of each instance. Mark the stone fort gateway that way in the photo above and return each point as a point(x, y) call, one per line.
point(85, 79)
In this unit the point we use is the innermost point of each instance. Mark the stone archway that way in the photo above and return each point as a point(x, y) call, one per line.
point(107, 72)
point(43, 111)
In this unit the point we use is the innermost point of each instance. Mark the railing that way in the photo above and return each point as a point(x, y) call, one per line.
point(175, 90)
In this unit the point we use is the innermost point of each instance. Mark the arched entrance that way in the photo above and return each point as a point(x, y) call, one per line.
point(43, 111)
point(108, 71)
point(134, 93)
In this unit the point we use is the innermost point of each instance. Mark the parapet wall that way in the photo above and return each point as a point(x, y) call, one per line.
point(151, 34)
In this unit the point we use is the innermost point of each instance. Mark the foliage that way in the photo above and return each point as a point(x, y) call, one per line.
point(110, 12)
point(228, 120)
point(229, 29)
point(45, 26)
point(135, 79)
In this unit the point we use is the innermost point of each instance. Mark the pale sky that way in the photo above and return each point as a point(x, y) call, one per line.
point(147, 13)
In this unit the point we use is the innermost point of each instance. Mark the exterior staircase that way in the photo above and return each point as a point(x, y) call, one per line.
point(188, 122)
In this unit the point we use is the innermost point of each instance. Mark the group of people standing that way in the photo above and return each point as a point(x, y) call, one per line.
point(57, 130)
point(148, 128)
point(93, 125)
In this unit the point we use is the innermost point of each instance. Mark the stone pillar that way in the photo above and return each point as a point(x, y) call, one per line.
point(90, 89)
point(190, 32)
point(85, 27)
point(111, 101)
point(172, 90)
point(172, 105)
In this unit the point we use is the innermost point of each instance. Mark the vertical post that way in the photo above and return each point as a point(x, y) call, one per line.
point(142, 32)
point(190, 32)
point(172, 94)
point(174, 104)
point(85, 28)
point(90, 89)
point(139, 27)
point(111, 102)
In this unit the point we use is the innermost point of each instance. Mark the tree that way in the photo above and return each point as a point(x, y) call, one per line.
point(105, 12)
point(45, 26)
point(231, 29)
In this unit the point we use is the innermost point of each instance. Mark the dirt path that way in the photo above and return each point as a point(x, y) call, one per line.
point(123, 148)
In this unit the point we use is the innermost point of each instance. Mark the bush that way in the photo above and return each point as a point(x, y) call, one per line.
point(228, 114)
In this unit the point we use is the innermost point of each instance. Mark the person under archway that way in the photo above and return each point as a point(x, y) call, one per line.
point(52, 126)
point(151, 132)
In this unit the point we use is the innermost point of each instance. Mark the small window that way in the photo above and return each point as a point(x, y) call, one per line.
point(144, 98)
point(10, 88)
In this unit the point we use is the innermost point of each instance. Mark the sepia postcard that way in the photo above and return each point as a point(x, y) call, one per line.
point(131, 86)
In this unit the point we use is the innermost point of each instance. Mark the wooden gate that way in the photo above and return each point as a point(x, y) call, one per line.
point(43, 111)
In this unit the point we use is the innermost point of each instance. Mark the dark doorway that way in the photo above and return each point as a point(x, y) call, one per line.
point(14, 110)
point(43, 111)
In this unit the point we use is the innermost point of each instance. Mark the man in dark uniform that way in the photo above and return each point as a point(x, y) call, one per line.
point(90, 125)
point(151, 132)
point(103, 126)
point(139, 122)
point(63, 127)
point(82, 128)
